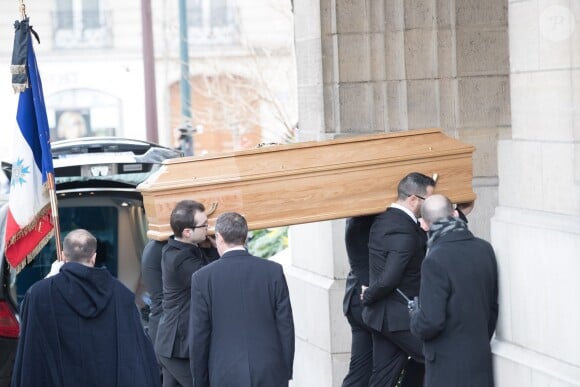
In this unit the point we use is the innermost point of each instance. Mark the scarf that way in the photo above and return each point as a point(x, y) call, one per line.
point(443, 227)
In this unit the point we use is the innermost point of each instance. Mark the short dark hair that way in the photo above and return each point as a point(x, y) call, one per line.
point(414, 183)
point(79, 246)
point(183, 216)
point(232, 227)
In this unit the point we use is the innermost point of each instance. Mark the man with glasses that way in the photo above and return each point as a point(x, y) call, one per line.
point(188, 250)
point(397, 245)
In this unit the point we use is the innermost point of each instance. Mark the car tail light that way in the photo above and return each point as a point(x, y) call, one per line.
point(8, 323)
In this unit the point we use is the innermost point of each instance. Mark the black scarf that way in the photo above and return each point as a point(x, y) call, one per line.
point(443, 227)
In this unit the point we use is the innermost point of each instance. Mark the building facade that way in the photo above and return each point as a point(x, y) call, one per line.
point(241, 69)
point(501, 75)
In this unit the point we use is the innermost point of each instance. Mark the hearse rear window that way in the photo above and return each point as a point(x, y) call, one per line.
point(102, 222)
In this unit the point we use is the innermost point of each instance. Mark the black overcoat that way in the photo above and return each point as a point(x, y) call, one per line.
point(81, 327)
point(458, 312)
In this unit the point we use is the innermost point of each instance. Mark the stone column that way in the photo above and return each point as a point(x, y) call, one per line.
point(336, 96)
point(316, 282)
point(536, 227)
point(368, 66)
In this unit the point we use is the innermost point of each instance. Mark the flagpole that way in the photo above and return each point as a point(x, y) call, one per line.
point(22, 9)
point(54, 215)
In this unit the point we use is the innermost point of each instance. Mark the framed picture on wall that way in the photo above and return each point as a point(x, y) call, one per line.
point(71, 124)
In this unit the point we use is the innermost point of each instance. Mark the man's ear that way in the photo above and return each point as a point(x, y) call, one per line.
point(94, 259)
point(455, 213)
point(219, 242)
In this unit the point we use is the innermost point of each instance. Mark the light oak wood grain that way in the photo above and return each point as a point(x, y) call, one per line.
point(308, 182)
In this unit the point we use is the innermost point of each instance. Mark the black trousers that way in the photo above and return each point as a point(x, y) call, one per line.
point(394, 352)
point(176, 372)
point(361, 351)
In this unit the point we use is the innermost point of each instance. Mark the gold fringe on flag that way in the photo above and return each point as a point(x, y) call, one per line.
point(25, 231)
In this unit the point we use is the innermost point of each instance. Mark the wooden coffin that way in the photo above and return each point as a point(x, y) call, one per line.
point(307, 182)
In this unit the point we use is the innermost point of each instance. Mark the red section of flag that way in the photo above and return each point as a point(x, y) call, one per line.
point(29, 244)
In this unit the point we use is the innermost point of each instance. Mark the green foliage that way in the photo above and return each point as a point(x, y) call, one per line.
point(267, 242)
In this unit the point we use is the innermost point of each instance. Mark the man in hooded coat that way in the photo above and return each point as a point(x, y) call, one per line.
point(81, 327)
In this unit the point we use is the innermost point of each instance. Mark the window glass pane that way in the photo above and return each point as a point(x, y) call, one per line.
point(91, 14)
point(64, 14)
point(194, 13)
point(220, 13)
point(100, 221)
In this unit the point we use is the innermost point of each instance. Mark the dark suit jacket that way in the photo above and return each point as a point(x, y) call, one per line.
point(242, 330)
point(151, 275)
point(179, 261)
point(356, 237)
point(396, 251)
point(458, 311)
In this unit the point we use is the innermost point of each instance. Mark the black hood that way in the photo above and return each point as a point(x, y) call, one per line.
point(87, 290)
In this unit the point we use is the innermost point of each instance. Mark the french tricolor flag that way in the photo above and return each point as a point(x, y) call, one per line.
point(29, 225)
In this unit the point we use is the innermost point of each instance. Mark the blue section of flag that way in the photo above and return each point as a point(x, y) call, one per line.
point(32, 119)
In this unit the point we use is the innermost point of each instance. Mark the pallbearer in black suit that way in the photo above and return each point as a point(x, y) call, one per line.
point(356, 238)
point(182, 256)
point(152, 279)
point(458, 301)
point(241, 325)
point(397, 247)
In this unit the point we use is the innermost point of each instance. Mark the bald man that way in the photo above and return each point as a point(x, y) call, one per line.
point(458, 301)
point(81, 327)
